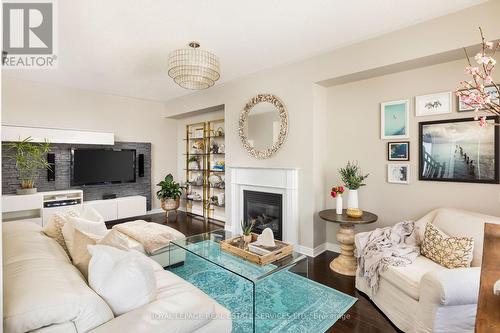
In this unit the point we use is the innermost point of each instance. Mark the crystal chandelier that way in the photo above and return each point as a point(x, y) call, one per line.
point(193, 68)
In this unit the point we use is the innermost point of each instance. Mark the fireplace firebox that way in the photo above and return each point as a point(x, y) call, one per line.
point(266, 209)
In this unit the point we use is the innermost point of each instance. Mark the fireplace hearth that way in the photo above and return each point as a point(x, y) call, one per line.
point(266, 209)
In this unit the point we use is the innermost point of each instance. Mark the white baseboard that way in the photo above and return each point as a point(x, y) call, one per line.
point(310, 252)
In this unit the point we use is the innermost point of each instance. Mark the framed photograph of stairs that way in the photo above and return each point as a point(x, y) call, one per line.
point(459, 150)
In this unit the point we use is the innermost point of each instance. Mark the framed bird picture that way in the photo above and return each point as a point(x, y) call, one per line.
point(394, 120)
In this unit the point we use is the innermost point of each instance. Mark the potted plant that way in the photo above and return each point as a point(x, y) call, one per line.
point(247, 228)
point(353, 179)
point(169, 193)
point(30, 158)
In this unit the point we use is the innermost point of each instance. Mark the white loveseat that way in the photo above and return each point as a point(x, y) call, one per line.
point(45, 293)
point(426, 297)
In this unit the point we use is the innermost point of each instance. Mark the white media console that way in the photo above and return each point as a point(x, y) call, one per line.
point(39, 207)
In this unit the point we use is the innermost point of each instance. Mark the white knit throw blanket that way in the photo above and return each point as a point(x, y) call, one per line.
point(152, 236)
point(390, 246)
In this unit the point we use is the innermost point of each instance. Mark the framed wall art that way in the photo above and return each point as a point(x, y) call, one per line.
point(459, 150)
point(462, 107)
point(398, 173)
point(433, 104)
point(398, 151)
point(394, 120)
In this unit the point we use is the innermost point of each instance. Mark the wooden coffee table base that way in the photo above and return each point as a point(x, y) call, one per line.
point(345, 263)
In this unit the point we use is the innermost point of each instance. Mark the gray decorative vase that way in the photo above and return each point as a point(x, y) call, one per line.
point(24, 191)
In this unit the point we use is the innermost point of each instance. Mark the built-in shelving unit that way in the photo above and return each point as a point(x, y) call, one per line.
point(205, 169)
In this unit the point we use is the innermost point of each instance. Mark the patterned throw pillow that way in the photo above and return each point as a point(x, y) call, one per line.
point(54, 227)
point(450, 252)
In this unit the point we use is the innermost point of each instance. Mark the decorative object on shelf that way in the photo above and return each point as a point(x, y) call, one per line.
point(219, 165)
point(394, 120)
point(353, 179)
point(30, 158)
point(214, 147)
point(169, 194)
point(198, 146)
point(240, 248)
point(459, 150)
point(194, 196)
point(246, 229)
point(354, 212)
point(264, 111)
point(196, 180)
point(336, 193)
point(194, 162)
point(222, 148)
point(398, 173)
point(398, 151)
point(193, 68)
point(215, 180)
point(219, 132)
point(480, 93)
point(346, 263)
point(198, 133)
point(217, 200)
point(433, 104)
point(221, 199)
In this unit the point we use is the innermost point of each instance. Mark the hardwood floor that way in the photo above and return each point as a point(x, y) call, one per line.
point(362, 317)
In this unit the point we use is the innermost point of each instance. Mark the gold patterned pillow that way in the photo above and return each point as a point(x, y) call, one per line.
point(450, 252)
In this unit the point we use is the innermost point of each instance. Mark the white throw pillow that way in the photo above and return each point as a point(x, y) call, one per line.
point(88, 221)
point(125, 280)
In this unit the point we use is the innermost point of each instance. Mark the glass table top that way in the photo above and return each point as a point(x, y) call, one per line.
point(207, 247)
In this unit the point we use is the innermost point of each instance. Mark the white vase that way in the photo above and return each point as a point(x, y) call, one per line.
point(352, 199)
point(338, 205)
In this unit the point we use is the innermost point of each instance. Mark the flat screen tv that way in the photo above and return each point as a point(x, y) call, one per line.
point(102, 166)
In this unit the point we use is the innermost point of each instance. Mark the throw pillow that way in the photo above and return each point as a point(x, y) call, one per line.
point(450, 252)
point(125, 280)
point(53, 229)
point(81, 255)
point(88, 221)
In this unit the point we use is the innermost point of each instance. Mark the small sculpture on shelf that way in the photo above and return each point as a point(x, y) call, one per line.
point(219, 165)
point(214, 147)
point(198, 146)
point(194, 162)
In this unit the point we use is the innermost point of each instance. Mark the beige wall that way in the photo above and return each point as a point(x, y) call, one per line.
point(29, 103)
point(354, 122)
point(309, 134)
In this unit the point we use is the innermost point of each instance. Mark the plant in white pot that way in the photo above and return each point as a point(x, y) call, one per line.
point(353, 179)
point(169, 193)
point(30, 158)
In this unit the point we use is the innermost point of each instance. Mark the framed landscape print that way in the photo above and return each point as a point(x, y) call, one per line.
point(398, 151)
point(491, 90)
point(459, 150)
point(398, 173)
point(433, 104)
point(394, 120)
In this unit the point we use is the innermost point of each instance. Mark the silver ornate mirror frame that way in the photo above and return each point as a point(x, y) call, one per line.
point(280, 107)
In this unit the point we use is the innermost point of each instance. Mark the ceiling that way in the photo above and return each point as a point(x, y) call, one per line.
point(121, 46)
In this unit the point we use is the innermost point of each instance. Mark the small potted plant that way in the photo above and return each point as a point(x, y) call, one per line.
point(353, 179)
point(30, 158)
point(336, 193)
point(247, 228)
point(169, 193)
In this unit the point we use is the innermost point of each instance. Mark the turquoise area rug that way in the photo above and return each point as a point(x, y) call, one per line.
point(286, 302)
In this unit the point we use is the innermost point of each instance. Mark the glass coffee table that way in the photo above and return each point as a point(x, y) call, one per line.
point(206, 246)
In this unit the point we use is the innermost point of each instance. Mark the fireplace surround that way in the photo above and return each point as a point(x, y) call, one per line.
point(280, 181)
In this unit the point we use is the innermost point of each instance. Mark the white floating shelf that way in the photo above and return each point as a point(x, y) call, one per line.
point(55, 135)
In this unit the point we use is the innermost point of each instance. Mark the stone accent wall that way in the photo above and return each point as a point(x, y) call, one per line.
point(142, 186)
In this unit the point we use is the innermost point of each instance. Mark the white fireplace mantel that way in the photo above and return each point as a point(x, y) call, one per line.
point(272, 180)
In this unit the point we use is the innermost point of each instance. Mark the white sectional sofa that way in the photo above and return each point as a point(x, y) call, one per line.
point(426, 297)
point(45, 293)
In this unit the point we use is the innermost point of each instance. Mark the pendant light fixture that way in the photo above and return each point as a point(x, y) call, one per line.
point(193, 68)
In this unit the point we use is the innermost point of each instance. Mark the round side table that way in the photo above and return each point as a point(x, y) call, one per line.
point(345, 263)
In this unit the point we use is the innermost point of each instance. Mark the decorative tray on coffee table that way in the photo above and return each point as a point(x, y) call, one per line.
point(239, 248)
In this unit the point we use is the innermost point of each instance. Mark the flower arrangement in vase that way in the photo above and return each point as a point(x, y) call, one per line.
point(353, 179)
point(336, 193)
point(481, 93)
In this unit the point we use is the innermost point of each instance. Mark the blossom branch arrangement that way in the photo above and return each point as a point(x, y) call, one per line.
point(474, 94)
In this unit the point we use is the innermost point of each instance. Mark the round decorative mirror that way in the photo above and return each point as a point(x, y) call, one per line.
point(263, 125)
